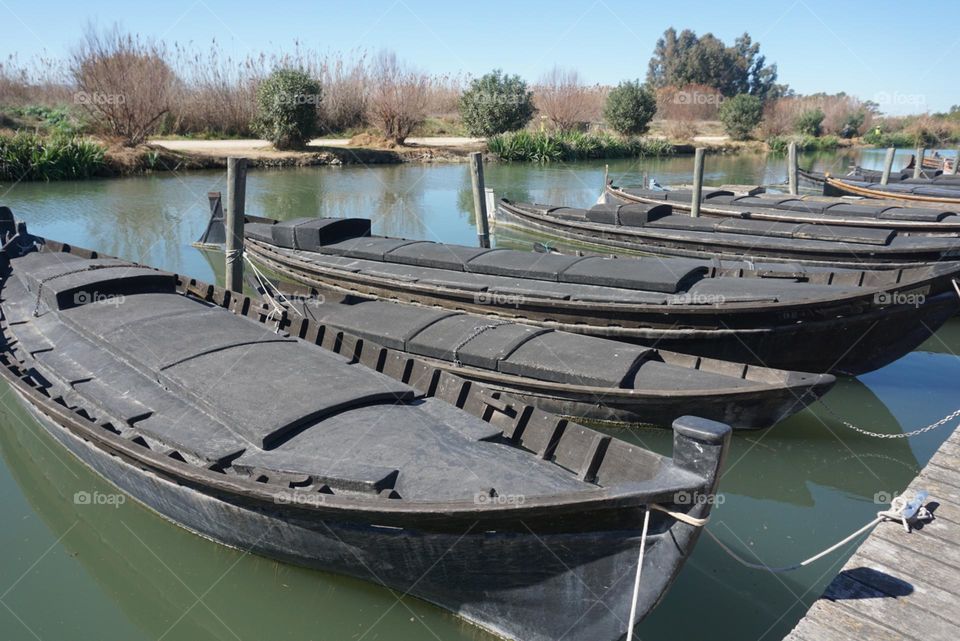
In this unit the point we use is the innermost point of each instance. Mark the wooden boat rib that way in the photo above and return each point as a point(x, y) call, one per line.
point(753, 316)
point(186, 398)
point(570, 374)
point(722, 203)
point(656, 230)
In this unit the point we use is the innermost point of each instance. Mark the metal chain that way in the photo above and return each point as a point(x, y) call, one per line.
point(88, 268)
point(922, 430)
point(479, 329)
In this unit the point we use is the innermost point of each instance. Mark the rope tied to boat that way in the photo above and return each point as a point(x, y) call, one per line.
point(923, 430)
point(87, 268)
point(279, 303)
point(904, 509)
point(477, 330)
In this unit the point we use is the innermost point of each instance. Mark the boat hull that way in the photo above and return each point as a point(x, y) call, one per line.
point(503, 582)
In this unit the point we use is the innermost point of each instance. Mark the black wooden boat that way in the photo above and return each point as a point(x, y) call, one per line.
point(812, 321)
point(569, 374)
point(721, 203)
point(198, 404)
point(656, 230)
point(940, 190)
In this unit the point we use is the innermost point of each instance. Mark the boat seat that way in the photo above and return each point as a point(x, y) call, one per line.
point(509, 262)
point(31, 340)
point(338, 474)
point(64, 284)
point(436, 255)
point(916, 213)
point(770, 229)
point(342, 263)
point(388, 324)
point(259, 231)
point(575, 359)
point(633, 215)
point(604, 295)
point(475, 341)
point(295, 387)
point(647, 274)
point(310, 234)
point(802, 206)
point(863, 235)
point(371, 248)
point(686, 195)
point(683, 222)
point(569, 213)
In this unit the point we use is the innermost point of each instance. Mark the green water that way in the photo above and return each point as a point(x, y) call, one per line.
point(104, 573)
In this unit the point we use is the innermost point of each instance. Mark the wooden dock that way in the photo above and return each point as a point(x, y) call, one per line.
point(899, 585)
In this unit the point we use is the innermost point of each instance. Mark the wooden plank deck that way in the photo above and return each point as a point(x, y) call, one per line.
point(899, 585)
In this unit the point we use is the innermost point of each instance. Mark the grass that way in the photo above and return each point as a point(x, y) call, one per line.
point(545, 147)
point(30, 156)
point(779, 144)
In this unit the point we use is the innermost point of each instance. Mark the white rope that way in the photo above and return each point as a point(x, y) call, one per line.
point(680, 516)
point(265, 284)
point(636, 580)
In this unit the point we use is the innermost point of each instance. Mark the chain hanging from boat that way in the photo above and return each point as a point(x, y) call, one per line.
point(929, 428)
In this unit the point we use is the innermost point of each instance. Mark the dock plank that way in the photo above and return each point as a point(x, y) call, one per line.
point(900, 585)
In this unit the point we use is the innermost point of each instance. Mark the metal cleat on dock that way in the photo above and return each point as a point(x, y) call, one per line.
point(908, 510)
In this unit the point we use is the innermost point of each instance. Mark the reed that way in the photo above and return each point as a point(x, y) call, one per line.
point(29, 156)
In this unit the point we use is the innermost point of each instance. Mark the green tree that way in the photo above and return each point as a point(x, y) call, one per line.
point(287, 104)
point(684, 58)
point(740, 115)
point(495, 103)
point(810, 122)
point(630, 107)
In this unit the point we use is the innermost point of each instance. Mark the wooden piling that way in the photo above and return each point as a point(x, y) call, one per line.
point(491, 199)
point(887, 166)
point(236, 204)
point(918, 162)
point(953, 165)
point(479, 199)
point(792, 169)
point(697, 182)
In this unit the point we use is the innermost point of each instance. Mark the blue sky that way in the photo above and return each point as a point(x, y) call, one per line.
point(868, 49)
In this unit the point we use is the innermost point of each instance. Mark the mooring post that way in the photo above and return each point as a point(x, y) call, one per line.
point(887, 166)
point(953, 165)
point(236, 201)
point(918, 162)
point(491, 199)
point(479, 199)
point(697, 182)
point(646, 179)
point(792, 169)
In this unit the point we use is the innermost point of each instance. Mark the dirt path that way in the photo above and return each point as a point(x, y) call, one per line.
point(261, 148)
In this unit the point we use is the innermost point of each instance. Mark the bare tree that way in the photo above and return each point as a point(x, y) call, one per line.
point(124, 83)
point(563, 98)
point(398, 97)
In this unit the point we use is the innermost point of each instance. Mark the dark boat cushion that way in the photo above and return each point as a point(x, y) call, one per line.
point(64, 283)
point(575, 359)
point(603, 214)
point(437, 255)
point(475, 341)
point(772, 229)
point(636, 273)
point(864, 235)
point(569, 213)
point(312, 233)
point(636, 215)
point(388, 324)
point(508, 262)
point(339, 473)
point(804, 206)
point(916, 213)
point(372, 248)
point(259, 231)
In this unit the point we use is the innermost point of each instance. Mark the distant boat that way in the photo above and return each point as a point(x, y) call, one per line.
point(767, 315)
point(722, 203)
point(940, 190)
point(200, 405)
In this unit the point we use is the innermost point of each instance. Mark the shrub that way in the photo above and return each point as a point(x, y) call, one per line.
point(780, 144)
point(810, 122)
point(546, 146)
point(495, 103)
point(565, 101)
point(740, 115)
point(28, 156)
point(124, 84)
point(852, 124)
point(630, 108)
point(398, 100)
point(287, 103)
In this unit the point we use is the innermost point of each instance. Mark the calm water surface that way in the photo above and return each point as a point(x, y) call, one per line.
point(120, 573)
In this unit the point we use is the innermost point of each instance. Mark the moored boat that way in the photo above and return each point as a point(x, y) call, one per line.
point(569, 374)
point(197, 403)
point(764, 316)
point(656, 230)
point(722, 203)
